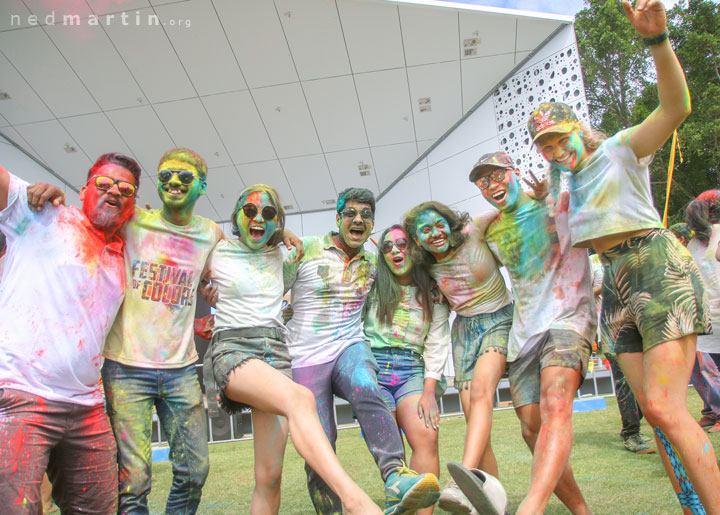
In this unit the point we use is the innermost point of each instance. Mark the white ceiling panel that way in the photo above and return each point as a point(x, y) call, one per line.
point(481, 74)
point(116, 6)
point(143, 132)
point(519, 56)
point(372, 35)
point(224, 187)
point(49, 12)
point(336, 113)
point(14, 135)
point(240, 127)
point(270, 173)
point(476, 129)
point(392, 160)
point(89, 50)
point(189, 126)
point(165, 2)
point(257, 38)
point(449, 178)
point(37, 59)
point(310, 181)
point(312, 28)
point(3, 121)
point(286, 116)
point(345, 169)
point(430, 35)
point(13, 15)
point(194, 44)
point(438, 84)
point(148, 53)
point(95, 135)
point(49, 139)
point(532, 32)
point(385, 104)
point(393, 206)
point(423, 145)
point(204, 207)
point(496, 32)
point(24, 105)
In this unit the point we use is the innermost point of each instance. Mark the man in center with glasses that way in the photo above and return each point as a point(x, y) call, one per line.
point(331, 357)
point(150, 350)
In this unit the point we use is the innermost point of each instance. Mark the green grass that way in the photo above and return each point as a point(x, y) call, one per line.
point(613, 480)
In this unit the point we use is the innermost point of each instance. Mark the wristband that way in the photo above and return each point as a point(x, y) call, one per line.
point(656, 40)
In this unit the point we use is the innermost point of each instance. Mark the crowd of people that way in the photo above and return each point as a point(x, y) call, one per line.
point(97, 309)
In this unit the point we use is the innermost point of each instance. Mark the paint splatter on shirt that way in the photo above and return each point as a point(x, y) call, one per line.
point(409, 330)
point(328, 294)
point(164, 263)
point(250, 286)
point(551, 281)
point(470, 278)
point(611, 194)
point(62, 286)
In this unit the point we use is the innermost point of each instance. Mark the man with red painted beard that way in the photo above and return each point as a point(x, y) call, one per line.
point(63, 283)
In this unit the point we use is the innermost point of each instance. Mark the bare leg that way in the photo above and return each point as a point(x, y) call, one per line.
point(665, 374)
point(270, 438)
point(258, 384)
point(423, 440)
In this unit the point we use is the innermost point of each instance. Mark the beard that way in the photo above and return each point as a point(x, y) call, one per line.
point(107, 218)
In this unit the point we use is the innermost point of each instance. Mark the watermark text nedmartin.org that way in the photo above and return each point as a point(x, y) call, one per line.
point(124, 18)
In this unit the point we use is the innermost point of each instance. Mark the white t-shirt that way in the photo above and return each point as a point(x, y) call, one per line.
point(164, 262)
point(710, 271)
point(62, 286)
point(250, 286)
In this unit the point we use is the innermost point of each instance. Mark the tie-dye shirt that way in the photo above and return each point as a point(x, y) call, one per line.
point(611, 193)
point(470, 278)
point(710, 271)
point(250, 286)
point(62, 287)
point(409, 330)
point(164, 262)
point(328, 294)
point(551, 281)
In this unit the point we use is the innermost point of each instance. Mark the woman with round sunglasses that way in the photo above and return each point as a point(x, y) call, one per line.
point(654, 305)
point(409, 336)
point(249, 359)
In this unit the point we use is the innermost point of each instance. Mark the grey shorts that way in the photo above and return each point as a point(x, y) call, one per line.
point(560, 348)
point(231, 348)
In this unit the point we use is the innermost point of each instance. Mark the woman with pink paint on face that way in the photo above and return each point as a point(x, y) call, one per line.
point(407, 327)
point(250, 360)
point(654, 304)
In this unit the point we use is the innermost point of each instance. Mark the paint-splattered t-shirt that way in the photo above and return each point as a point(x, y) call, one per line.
point(250, 286)
point(328, 294)
point(710, 271)
point(551, 281)
point(61, 288)
point(410, 330)
point(611, 193)
point(164, 262)
point(470, 278)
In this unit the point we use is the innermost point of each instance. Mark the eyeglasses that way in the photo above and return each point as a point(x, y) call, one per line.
point(494, 176)
point(251, 211)
point(104, 183)
point(387, 245)
point(186, 176)
point(351, 213)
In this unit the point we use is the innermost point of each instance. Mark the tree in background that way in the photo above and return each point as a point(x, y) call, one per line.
point(619, 82)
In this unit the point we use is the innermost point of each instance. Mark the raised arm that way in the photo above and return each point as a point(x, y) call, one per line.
point(650, 21)
point(4, 187)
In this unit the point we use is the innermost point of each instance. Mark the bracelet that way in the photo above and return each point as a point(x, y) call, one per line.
point(656, 40)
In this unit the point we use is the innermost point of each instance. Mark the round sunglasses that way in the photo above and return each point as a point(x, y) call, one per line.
point(387, 245)
point(185, 176)
point(251, 210)
point(494, 176)
point(104, 183)
point(351, 213)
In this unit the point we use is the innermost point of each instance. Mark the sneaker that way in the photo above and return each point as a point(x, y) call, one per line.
point(406, 491)
point(645, 438)
point(454, 501)
point(707, 421)
point(635, 444)
point(715, 428)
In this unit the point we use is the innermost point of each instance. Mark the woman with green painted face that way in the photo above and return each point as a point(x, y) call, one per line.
point(450, 247)
point(250, 360)
point(407, 327)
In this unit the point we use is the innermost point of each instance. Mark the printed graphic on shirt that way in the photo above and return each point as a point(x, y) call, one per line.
point(163, 282)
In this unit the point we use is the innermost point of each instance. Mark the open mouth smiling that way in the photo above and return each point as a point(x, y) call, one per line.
point(499, 196)
point(357, 232)
point(257, 232)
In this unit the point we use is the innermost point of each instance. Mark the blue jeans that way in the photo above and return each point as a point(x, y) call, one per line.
point(131, 393)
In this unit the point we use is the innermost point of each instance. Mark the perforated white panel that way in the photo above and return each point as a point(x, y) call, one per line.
point(555, 79)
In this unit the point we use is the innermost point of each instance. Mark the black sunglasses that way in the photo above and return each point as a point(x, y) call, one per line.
point(104, 183)
point(387, 245)
point(251, 211)
point(351, 213)
point(186, 177)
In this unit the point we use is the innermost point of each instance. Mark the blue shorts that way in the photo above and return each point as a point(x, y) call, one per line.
point(401, 373)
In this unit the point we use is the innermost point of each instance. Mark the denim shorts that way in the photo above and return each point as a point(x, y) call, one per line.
point(231, 348)
point(652, 293)
point(560, 348)
point(474, 336)
point(401, 373)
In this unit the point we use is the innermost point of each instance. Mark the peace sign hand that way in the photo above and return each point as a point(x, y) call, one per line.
point(539, 188)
